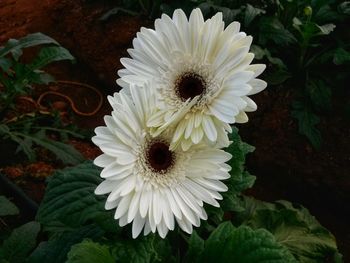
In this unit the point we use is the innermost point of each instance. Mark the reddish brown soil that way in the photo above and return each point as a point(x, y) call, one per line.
point(286, 166)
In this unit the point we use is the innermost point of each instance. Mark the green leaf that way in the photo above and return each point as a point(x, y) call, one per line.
point(30, 40)
point(70, 197)
point(250, 13)
point(116, 11)
point(243, 245)
point(261, 53)
point(239, 150)
point(310, 30)
point(90, 252)
point(209, 8)
point(48, 55)
point(293, 227)
point(20, 243)
point(278, 76)
point(5, 64)
point(24, 145)
point(4, 129)
point(307, 122)
point(341, 56)
point(320, 94)
point(325, 13)
point(195, 247)
point(143, 250)
point(272, 29)
point(218, 240)
point(240, 179)
point(7, 208)
point(55, 250)
point(65, 152)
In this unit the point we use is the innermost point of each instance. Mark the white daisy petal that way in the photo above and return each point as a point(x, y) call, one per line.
point(185, 225)
point(257, 69)
point(147, 228)
point(241, 117)
point(137, 225)
point(162, 229)
point(209, 128)
point(111, 205)
point(185, 209)
point(257, 86)
point(173, 205)
point(103, 160)
point(104, 188)
point(146, 199)
point(123, 207)
point(134, 205)
point(157, 208)
point(251, 106)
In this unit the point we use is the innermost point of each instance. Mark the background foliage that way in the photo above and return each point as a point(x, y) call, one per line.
point(16, 80)
point(78, 229)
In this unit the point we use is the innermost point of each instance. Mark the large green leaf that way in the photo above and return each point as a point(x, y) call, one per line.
point(143, 250)
point(70, 197)
point(48, 55)
point(7, 208)
point(320, 94)
point(13, 45)
point(55, 250)
point(341, 56)
point(292, 227)
point(5, 64)
point(307, 122)
point(90, 252)
point(20, 243)
point(195, 247)
point(250, 13)
point(243, 245)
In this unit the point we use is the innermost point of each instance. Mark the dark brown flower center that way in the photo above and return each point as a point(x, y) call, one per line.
point(159, 157)
point(189, 85)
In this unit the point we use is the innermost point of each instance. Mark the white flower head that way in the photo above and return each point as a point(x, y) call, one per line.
point(147, 183)
point(202, 74)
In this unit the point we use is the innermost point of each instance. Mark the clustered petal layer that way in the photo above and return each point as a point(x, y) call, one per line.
point(203, 75)
point(147, 183)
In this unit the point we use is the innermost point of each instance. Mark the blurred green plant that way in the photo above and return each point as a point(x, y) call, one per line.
point(29, 131)
point(16, 79)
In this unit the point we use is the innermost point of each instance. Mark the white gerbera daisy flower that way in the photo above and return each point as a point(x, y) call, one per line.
point(148, 184)
point(202, 73)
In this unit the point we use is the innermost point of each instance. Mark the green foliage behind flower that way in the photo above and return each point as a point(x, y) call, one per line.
point(17, 79)
point(80, 230)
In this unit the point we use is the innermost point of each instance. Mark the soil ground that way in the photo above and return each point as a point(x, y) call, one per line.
point(286, 166)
